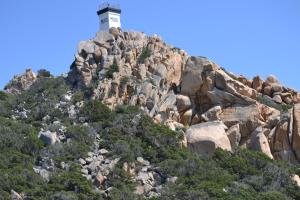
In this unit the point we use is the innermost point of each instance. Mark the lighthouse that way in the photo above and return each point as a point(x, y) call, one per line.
point(109, 16)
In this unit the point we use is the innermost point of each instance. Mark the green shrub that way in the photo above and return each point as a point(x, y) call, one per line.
point(7, 101)
point(130, 90)
point(95, 111)
point(229, 74)
point(152, 82)
point(18, 136)
point(124, 80)
point(269, 102)
point(112, 69)
point(43, 73)
point(77, 97)
point(81, 134)
point(89, 90)
point(3, 96)
point(146, 53)
point(124, 109)
point(81, 140)
point(71, 183)
point(273, 195)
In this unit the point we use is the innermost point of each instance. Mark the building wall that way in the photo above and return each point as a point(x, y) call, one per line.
point(109, 20)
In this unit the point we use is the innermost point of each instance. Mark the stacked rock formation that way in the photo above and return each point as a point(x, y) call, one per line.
point(272, 88)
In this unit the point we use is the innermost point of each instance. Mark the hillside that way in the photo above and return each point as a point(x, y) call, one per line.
point(136, 118)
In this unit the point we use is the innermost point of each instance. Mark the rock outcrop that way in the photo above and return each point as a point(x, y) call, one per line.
point(15, 196)
point(296, 130)
point(186, 91)
point(281, 143)
point(234, 135)
point(259, 142)
point(21, 82)
point(48, 137)
point(272, 88)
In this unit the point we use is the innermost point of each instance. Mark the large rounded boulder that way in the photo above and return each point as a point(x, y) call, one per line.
point(206, 137)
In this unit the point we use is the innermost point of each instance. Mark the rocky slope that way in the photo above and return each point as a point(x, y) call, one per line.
point(210, 107)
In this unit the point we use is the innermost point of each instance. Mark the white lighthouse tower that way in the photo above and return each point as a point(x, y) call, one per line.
point(110, 16)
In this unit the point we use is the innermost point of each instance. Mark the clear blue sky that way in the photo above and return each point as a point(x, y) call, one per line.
point(246, 37)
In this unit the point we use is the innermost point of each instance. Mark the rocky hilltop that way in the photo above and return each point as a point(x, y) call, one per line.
point(217, 108)
point(207, 106)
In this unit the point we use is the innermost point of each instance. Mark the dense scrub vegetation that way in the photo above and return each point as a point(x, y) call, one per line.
point(21, 149)
point(126, 133)
point(6, 103)
point(42, 97)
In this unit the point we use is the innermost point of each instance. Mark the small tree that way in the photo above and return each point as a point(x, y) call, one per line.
point(124, 80)
point(112, 69)
point(43, 73)
point(146, 53)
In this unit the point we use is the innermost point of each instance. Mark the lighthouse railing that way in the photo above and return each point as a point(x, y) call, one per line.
point(110, 5)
